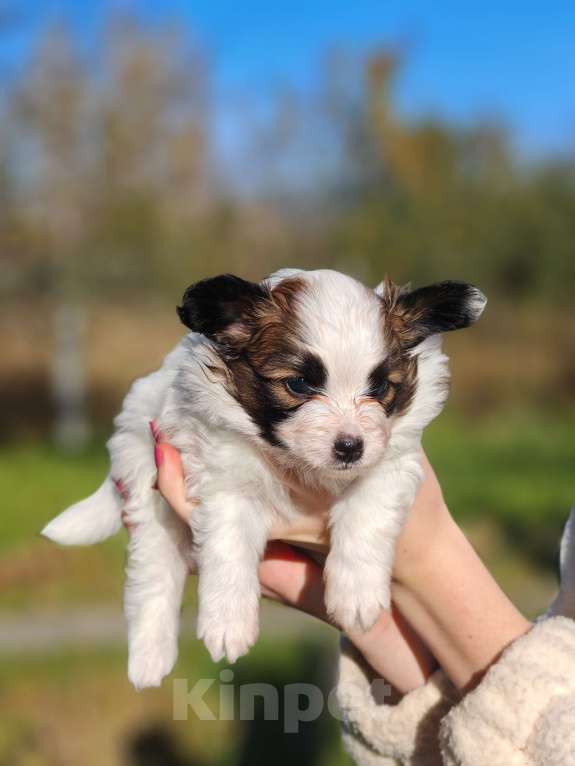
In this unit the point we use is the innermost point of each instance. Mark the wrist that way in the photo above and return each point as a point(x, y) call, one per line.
point(395, 653)
point(426, 539)
point(451, 600)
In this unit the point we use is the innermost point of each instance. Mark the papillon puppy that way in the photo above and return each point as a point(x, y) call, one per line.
point(306, 374)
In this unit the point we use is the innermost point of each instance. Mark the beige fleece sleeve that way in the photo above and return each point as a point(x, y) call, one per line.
point(523, 711)
point(521, 714)
point(376, 733)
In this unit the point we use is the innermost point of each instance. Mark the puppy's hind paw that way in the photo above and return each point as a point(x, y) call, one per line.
point(150, 661)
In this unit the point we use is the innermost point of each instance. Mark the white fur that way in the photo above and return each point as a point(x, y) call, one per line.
point(229, 468)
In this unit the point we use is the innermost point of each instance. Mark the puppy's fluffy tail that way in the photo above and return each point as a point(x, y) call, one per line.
point(89, 521)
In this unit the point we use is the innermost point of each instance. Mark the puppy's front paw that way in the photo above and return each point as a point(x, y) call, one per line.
point(152, 655)
point(228, 636)
point(355, 599)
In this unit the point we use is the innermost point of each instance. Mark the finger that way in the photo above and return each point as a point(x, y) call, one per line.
point(128, 524)
point(171, 483)
point(123, 492)
point(291, 577)
point(121, 487)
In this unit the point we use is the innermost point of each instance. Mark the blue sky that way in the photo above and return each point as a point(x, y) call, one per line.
point(510, 59)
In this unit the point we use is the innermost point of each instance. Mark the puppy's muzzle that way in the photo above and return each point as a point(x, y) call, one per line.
point(348, 449)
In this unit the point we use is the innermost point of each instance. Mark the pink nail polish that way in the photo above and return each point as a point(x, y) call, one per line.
point(121, 489)
point(158, 457)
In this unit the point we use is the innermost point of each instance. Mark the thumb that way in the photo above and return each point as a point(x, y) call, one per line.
point(291, 577)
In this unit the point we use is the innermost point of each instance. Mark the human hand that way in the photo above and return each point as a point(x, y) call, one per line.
point(310, 530)
point(446, 604)
point(426, 518)
point(290, 576)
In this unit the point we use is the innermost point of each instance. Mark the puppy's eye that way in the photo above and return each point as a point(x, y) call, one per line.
point(379, 391)
point(298, 386)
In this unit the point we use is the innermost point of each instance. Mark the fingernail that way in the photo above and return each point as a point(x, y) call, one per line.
point(154, 430)
point(158, 457)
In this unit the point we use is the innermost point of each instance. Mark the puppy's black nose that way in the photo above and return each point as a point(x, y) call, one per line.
point(348, 449)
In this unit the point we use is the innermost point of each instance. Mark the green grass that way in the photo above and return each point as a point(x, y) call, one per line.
point(518, 472)
point(38, 481)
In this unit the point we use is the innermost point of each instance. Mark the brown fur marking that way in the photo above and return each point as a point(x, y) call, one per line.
point(269, 354)
point(401, 324)
point(400, 327)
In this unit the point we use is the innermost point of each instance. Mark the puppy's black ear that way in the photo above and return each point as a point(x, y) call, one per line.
point(445, 306)
point(221, 308)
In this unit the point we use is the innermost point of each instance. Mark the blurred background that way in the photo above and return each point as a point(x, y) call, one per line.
point(144, 145)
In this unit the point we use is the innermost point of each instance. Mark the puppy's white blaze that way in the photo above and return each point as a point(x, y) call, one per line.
point(89, 521)
point(342, 325)
point(342, 321)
